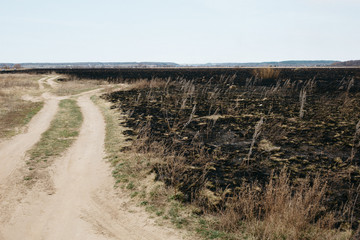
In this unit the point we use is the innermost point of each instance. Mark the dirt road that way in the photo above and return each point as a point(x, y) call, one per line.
point(76, 200)
point(12, 152)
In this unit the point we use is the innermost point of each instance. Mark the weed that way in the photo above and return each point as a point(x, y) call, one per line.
point(134, 194)
point(27, 178)
point(255, 136)
point(159, 213)
point(356, 142)
point(302, 98)
point(267, 73)
point(130, 186)
point(144, 203)
point(150, 208)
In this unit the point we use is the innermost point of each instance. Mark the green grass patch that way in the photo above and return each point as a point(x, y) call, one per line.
point(61, 134)
point(207, 232)
point(32, 111)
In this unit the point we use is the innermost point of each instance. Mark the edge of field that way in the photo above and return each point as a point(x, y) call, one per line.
point(133, 174)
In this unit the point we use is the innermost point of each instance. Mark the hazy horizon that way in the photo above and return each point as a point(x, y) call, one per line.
point(184, 32)
point(166, 62)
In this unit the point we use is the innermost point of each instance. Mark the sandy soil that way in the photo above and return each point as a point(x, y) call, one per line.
point(74, 198)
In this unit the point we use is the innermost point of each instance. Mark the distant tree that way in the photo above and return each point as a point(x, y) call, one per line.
point(17, 66)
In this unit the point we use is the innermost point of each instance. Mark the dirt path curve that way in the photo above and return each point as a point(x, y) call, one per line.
point(82, 203)
point(48, 80)
point(12, 152)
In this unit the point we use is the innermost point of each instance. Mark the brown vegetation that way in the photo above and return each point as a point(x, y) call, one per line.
point(282, 210)
point(267, 73)
point(73, 87)
point(15, 112)
point(145, 83)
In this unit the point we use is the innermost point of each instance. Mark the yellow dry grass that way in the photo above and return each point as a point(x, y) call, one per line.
point(77, 86)
point(145, 83)
point(15, 112)
point(267, 73)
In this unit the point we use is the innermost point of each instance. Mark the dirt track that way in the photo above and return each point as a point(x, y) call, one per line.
point(75, 199)
point(12, 152)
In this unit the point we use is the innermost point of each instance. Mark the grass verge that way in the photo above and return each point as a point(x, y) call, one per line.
point(133, 173)
point(114, 139)
point(61, 134)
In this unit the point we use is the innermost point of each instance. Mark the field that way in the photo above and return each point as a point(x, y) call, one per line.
point(220, 134)
point(269, 152)
point(15, 112)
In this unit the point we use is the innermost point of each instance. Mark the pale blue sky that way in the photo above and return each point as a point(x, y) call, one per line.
point(182, 31)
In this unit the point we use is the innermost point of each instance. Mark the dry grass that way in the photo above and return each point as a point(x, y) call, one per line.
point(280, 211)
point(267, 73)
point(277, 210)
point(145, 83)
point(8, 81)
point(302, 99)
point(255, 136)
point(15, 112)
point(74, 87)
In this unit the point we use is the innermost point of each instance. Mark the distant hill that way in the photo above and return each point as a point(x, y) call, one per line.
point(292, 63)
point(352, 63)
point(93, 64)
point(318, 63)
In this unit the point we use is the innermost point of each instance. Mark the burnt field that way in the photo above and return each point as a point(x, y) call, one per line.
point(222, 132)
point(223, 129)
point(326, 77)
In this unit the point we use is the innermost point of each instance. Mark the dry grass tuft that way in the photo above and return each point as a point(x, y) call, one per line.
point(145, 83)
point(267, 73)
point(280, 211)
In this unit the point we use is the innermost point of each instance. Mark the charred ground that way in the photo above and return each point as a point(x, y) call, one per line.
point(221, 128)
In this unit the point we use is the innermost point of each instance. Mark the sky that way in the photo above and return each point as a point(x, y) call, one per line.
point(181, 31)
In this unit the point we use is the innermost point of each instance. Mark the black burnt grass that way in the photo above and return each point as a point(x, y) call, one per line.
point(214, 120)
